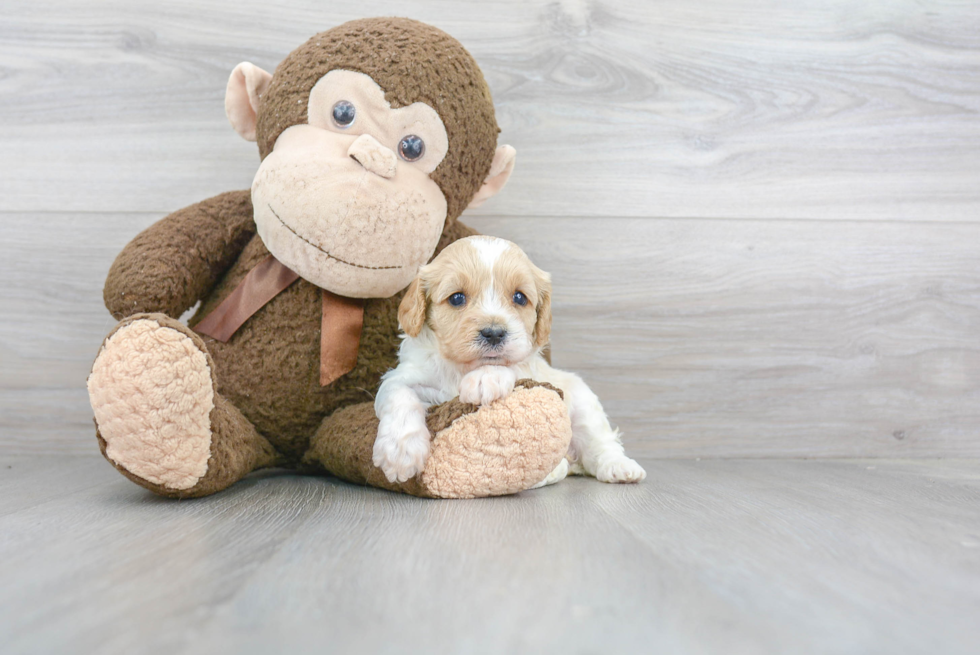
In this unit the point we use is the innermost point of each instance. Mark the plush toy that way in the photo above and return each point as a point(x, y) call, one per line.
point(374, 137)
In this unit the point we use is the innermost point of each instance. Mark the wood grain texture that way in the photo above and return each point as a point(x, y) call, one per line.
point(667, 152)
point(702, 338)
point(769, 338)
point(704, 557)
point(839, 109)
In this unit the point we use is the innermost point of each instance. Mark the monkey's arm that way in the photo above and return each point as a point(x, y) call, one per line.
point(175, 262)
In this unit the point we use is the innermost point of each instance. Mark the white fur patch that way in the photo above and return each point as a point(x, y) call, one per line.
point(152, 396)
point(402, 444)
point(486, 384)
point(491, 303)
point(425, 375)
point(489, 248)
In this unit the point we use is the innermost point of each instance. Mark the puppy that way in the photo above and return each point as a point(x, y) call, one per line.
point(476, 320)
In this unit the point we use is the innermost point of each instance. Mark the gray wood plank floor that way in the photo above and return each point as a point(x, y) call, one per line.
point(746, 556)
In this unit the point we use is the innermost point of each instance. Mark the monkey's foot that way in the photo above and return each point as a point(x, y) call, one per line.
point(152, 394)
point(507, 446)
point(159, 419)
point(492, 450)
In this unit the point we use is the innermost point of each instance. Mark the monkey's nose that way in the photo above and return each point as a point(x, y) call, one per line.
point(369, 153)
point(493, 335)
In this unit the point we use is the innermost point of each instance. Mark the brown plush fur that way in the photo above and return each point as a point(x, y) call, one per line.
point(343, 446)
point(179, 259)
point(270, 368)
point(269, 408)
point(412, 62)
point(236, 447)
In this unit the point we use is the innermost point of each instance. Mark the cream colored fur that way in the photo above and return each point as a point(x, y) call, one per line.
point(152, 395)
point(443, 356)
point(373, 156)
point(496, 451)
point(246, 85)
point(337, 204)
point(375, 116)
point(339, 224)
point(503, 165)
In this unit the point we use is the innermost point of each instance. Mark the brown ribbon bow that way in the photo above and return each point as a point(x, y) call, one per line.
point(341, 319)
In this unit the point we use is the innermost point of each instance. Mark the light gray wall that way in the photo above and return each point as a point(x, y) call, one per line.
point(763, 219)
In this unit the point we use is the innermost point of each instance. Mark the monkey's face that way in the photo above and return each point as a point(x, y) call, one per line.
point(375, 135)
point(346, 200)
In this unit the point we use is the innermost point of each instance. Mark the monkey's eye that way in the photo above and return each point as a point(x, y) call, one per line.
point(458, 299)
point(520, 298)
point(411, 148)
point(343, 113)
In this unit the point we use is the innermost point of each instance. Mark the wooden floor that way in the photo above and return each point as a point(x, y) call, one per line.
point(746, 556)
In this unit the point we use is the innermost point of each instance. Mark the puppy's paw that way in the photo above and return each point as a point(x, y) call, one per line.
point(400, 450)
point(559, 474)
point(486, 384)
point(620, 469)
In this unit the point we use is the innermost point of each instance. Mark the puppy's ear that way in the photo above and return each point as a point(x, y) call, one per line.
point(411, 312)
point(542, 326)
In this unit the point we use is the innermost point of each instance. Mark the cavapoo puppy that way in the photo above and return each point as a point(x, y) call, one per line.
point(476, 320)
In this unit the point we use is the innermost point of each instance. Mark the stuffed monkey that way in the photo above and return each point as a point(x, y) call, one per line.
point(374, 136)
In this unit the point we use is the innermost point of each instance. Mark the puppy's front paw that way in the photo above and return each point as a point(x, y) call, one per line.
point(486, 384)
point(620, 469)
point(400, 451)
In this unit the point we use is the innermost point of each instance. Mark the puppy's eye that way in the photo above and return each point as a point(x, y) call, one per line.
point(343, 113)
point(411, 148)
point(458, 299)
point(520, 298)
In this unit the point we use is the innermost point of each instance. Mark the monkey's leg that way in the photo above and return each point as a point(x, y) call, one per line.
point(494, 450)
point(159, 419)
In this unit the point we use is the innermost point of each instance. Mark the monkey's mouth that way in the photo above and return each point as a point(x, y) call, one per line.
point(333, 257)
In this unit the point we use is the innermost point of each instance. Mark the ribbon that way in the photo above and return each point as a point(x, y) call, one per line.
point(262, 284)
point(341, 319)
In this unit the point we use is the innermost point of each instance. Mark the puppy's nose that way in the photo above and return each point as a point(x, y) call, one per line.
point(493, 335)
point(369, 153)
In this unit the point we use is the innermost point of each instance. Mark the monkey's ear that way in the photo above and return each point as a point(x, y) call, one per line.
point(500, 170)
point(411, 311)
point(246, 86)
